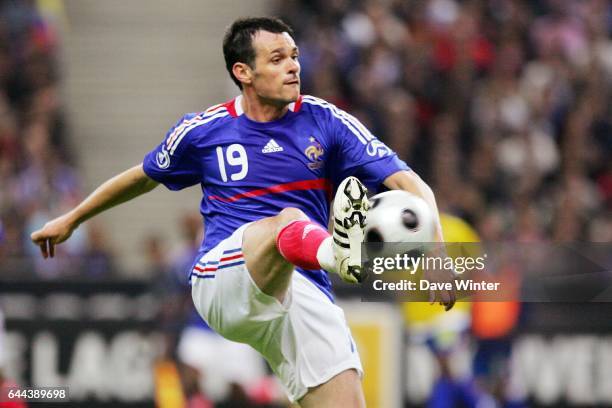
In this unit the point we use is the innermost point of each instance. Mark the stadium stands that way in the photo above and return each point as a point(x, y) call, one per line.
point(503, 106)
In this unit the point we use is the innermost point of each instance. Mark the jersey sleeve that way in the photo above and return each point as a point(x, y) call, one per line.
point(173, 162)
point(359, 153)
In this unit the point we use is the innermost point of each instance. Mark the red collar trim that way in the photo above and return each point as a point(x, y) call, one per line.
point(236, 111)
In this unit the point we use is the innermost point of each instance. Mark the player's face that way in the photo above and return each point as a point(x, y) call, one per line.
point(276, 74)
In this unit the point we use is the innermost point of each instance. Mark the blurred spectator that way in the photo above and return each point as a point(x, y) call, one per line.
point(156, 256)
point(97, 260)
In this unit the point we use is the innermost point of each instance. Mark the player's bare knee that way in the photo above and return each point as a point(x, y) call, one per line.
point(288, 215)
point(291, 214)
point(343, 390)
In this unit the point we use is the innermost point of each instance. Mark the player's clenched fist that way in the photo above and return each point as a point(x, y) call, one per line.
point(54, 232)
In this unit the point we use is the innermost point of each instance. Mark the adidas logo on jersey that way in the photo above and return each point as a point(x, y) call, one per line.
point(272, 147)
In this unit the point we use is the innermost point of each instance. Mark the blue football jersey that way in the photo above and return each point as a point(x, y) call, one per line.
point(250, 170)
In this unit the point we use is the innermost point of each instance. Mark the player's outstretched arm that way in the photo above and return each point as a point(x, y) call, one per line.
point(411, 182)
point(119, 189)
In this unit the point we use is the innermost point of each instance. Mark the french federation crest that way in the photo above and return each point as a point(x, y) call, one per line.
point(315, 153)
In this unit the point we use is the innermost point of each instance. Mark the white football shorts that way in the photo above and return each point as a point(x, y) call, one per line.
point(306, 339)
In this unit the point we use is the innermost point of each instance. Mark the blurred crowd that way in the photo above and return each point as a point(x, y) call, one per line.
point(38, 178)
point(503, 106)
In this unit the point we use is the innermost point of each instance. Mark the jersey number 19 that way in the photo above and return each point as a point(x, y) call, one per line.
point(235, 156)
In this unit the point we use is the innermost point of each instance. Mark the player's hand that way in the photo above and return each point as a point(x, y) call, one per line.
point(444, 297)
point(440, 277)
point(54, 232)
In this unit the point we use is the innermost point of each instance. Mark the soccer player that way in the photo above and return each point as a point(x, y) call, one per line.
point(267, 162)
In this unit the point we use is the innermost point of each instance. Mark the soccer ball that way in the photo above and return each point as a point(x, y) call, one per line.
point(399, 216)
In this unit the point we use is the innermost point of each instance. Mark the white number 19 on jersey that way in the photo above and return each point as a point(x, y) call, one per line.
point(235, 156)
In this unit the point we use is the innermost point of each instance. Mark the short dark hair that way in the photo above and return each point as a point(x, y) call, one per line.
point(238, 40)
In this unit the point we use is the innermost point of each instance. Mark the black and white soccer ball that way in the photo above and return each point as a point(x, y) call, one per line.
point(399, 216)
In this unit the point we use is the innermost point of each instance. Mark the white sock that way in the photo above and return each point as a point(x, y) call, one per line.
point(325, 255)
